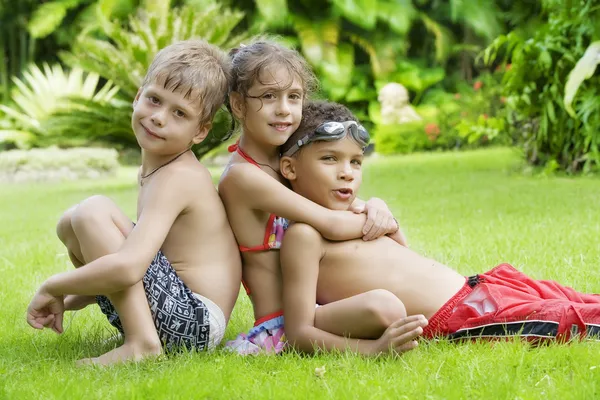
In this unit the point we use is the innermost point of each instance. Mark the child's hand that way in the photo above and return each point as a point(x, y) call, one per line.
point(400, 336)
point(380, 220)
point(46, 311)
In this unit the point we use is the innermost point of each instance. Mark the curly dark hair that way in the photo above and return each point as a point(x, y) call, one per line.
point(314, 113)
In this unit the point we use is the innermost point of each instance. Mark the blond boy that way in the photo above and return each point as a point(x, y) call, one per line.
point(172, 278)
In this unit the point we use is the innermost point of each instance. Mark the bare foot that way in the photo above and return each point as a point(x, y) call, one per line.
point(127, 352)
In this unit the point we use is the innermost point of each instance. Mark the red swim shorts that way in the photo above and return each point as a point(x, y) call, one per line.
point(505, 302)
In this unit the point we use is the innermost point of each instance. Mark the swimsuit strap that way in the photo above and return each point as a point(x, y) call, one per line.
point(265, 244)
point(236, 148)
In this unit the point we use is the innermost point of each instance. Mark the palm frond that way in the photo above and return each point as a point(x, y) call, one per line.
point(128, 52)
point(88, 122)
point(41, 92)
point(48, 17)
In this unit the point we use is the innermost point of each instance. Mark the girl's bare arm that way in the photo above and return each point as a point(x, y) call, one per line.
point(262, 192)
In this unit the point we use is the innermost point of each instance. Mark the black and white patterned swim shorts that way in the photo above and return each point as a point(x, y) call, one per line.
point(181, 319)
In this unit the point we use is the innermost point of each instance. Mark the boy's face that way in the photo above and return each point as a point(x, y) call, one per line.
point(165, 122)
point(328, 173)
point(273, 109)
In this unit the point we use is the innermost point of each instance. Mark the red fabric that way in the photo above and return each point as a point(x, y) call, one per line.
point(437, 323)
point(268, 317)
point(505, 295)
point(265, 244)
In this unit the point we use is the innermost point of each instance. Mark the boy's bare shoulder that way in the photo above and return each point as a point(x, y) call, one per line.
point(191, 172)
point(302, 239)
point(186, 179)
point(302, 233)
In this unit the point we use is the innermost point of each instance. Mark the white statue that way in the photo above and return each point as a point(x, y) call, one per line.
point(395, 108)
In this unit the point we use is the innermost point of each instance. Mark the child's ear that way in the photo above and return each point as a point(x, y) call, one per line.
point(137, 96)
point(236, 102)
point(287, 166)
point(202, 133)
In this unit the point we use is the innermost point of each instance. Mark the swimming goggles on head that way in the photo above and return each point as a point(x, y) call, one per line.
point(329, 131)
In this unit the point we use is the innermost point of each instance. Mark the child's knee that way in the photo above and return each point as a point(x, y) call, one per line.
point(90, 213)
point(384, 307)
point(64, 228)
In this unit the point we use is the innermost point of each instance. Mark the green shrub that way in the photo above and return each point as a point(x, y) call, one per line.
point(535, 85)
point(401, 138)
point(43, 92)
point(53, 164)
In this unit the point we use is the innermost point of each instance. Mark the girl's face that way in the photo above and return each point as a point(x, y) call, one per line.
point(273, 108)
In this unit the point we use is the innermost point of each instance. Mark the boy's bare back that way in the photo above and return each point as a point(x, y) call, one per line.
point(200, 244)
point(356, 266)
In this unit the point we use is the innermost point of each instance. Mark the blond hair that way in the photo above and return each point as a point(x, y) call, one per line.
point(193, 67)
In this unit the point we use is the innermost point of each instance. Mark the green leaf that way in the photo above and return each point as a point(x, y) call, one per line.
point(482, 16)
point(545, 59)
point(310, 40)
point(430, 77)
point(399, 14)
point(274, 12)
point(443, 37)
point(583, 70)
point(48, 17)
point(337, 73)
point(361, 12)
point(158, 7)
point(40, 93)
point(550, 111)
point(375, 112)
point(359, 94)
point(22, 139)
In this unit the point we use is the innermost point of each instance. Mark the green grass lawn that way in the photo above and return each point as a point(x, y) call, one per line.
point(469, 210)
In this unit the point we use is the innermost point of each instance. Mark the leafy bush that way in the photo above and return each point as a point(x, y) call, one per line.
point(43, 92)
point(53, 164)
point(535, 85)
point(401, 138)
point(472, 117)
point(480, 112)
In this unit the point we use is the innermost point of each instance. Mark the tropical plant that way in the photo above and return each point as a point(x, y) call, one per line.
point(552, 133)
point(124, 54)
point(17, 48)
point(67, 17)
point(358, 46)
point(127, 52)
point(44, 91)
point(584, 69)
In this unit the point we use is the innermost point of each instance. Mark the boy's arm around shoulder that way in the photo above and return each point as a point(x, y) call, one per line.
point(301, 253)
point(167, 197)
point(262, 192)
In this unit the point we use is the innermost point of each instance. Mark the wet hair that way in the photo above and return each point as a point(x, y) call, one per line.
point(194, 68)
point(315, 113)
point(249, 61)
